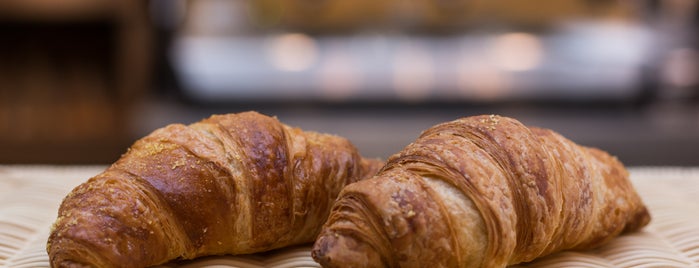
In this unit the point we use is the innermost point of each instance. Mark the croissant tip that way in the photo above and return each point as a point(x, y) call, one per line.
point(321, 250)
point(336, 250)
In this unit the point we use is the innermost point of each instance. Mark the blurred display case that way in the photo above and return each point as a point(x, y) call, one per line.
point(619, 75)
point(428, 50)
point(75, 74)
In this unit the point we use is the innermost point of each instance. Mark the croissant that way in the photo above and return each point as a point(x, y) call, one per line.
point(482, 191)
point(229, 184)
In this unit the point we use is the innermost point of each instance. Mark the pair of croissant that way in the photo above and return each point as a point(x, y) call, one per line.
point(481, 191)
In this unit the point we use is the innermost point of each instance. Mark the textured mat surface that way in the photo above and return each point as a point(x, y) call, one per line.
point(30, 195)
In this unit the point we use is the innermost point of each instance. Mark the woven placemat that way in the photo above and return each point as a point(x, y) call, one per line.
point(30, 195)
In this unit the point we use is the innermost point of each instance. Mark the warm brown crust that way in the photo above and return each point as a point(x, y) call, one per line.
point(230, 184)
point(482, 191)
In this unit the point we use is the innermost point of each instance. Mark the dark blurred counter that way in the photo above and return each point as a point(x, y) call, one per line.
point(653, 134)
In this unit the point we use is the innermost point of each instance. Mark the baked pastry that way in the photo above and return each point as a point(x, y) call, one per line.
point(482, 191)
point(229, 184)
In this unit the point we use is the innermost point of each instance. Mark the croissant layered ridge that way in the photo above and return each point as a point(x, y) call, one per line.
point(483, 191)
point(229, 184)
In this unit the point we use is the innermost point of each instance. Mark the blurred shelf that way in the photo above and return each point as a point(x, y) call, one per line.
point(70, 71)
point(50, 10)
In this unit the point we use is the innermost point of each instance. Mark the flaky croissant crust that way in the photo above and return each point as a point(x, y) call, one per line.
point(229, 184)
point(482, 191)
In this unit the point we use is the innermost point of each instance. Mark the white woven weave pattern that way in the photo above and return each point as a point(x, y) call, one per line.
point(30, 195)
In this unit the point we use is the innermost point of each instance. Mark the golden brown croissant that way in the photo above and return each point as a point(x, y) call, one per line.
point(229, 184)
point(480, 191)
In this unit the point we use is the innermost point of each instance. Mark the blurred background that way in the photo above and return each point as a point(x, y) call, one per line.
point(81, 80)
